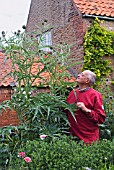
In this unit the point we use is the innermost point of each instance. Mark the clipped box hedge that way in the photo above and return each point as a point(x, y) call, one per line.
point(65, 154)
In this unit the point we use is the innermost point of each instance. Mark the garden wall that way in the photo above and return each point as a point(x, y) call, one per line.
point(10, 117)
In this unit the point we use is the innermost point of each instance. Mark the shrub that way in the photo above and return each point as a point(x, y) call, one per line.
point(98, 45)
point(66, 154)
point(107, 128)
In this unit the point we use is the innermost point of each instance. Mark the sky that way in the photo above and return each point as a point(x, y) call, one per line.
point(13, 15)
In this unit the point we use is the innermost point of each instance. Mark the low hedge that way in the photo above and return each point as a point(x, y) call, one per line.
point(65, 154)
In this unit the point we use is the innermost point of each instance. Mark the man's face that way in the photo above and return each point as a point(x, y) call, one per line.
point(82, 78)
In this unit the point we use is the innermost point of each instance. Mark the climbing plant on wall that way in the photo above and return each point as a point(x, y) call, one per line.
point(98, 46)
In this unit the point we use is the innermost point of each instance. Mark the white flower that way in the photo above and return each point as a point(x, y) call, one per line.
point(43, 136)
point(87, 168)
point(24, 92)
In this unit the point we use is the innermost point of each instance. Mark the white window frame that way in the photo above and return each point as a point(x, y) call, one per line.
point(47, 41)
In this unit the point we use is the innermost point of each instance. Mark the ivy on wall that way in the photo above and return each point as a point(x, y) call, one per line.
point(98, 43)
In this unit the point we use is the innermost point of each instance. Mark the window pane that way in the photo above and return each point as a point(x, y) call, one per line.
point(47, 40)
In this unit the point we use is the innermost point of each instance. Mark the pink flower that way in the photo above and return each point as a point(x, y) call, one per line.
point(43, 136)
point(27, 159)
point(21, 154)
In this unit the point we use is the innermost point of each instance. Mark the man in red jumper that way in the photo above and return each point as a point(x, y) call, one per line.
point(90, 112)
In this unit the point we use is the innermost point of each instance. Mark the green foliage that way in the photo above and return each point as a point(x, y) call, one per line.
point(42, 112)
point(8, 143)
point(4, 155)
point(107, 128)
point(111, 167)
point(98, 43)
point(65, 154)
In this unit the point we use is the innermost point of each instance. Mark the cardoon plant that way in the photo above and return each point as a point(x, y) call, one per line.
point(42, 113)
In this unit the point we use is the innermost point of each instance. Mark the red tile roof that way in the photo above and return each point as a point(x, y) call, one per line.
point(6, 66)
point(96, 7)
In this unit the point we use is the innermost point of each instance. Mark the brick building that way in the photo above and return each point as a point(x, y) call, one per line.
point(70, 19)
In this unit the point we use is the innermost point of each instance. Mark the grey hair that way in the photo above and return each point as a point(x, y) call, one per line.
point(91, 76)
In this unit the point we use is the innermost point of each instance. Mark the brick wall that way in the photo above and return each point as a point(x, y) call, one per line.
point(68, 24)
point(8, 117)
point(109, 25)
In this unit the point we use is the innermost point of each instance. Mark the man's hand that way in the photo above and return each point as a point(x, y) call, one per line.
point(81, 105)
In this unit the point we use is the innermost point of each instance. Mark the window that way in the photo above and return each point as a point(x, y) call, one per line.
point(46, 41)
